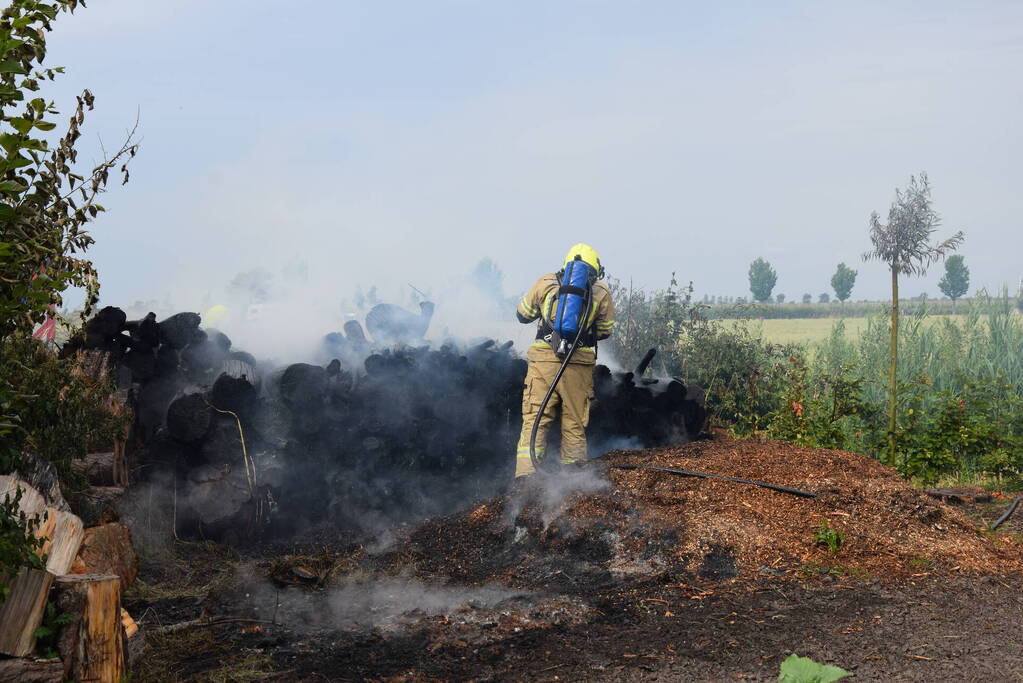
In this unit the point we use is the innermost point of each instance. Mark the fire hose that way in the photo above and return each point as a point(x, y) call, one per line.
point(721, 477)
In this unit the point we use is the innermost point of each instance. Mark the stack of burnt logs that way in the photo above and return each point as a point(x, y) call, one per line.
point(374, 436)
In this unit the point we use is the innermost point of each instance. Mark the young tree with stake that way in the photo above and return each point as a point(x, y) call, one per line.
point(904, 244)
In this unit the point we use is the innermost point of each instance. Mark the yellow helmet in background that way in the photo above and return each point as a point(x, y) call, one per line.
point(587, 254)
point(215, 315)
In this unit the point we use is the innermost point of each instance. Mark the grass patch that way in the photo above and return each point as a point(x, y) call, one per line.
point(199, 655)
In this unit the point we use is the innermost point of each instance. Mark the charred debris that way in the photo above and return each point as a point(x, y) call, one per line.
point(388, 429)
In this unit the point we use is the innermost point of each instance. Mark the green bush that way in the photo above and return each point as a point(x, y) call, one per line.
point(18, 545)
point(61, 411)
point(960, 380)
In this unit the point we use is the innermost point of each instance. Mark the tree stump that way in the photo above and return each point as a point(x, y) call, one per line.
point(22, 612)
point(91, 646)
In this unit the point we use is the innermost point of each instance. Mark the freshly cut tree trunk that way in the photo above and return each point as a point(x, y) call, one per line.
point(92, 646)
point(107, 549)
point(31, 671)
point(22, 612)
point(63, 532)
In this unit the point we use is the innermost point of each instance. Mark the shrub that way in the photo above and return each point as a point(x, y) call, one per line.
point(18, 544)
point(827, 536)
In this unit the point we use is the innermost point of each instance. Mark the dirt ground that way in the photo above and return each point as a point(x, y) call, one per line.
point(616, 575)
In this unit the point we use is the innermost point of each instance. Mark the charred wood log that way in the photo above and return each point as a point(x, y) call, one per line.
point(144, 333)
point(236, 389)
point(189, 418)
point(142, 364)
point(180, 330)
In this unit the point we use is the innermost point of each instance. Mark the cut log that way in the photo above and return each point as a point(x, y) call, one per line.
point(63, 533)
point(32, 502)
point(22, 612)
point(23, 670)
point(41, 475)
point(92, 645)
point(98, 468)
point(107, 549)
point(98, 505)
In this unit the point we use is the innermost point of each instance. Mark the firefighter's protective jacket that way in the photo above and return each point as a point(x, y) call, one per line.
point(539, 303)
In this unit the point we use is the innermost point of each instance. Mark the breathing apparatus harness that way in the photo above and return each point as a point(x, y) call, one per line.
point(569, 321)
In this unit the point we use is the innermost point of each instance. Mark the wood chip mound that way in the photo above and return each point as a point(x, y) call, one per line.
point(651, 522)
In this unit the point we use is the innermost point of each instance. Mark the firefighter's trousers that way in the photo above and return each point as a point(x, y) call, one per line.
point(571, 398)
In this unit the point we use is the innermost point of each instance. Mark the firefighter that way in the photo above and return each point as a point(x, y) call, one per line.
point(573, 393)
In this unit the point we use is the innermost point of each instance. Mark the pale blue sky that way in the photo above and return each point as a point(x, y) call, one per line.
point(397, 142)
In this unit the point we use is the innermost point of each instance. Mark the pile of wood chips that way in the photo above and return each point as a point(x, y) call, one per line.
point(889, 529)
point(653, 521)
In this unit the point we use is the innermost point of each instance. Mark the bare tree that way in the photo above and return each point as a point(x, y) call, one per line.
point(904, 243)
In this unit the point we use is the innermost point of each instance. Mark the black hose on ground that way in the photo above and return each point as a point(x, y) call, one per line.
point(1008, 513)
point(704, 475)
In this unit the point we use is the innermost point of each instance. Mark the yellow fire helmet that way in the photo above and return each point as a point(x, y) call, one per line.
point(213, 316)
point(588, 255)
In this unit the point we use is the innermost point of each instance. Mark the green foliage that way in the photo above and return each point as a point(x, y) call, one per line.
point(740, 372)
point(44, 203)
point(18, 545)
point(762, 279)
point(904, 241)
point(796, 669)
point(45, 206)
point(960, 382)
point(61, 411)
point(956, 280)
point(842, 282)
point(850, 309)
point(821, 408)
point(659, 319)
point(828, 536)
point(46, 634)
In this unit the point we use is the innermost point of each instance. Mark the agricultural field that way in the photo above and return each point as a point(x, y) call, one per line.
point(810, 331)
